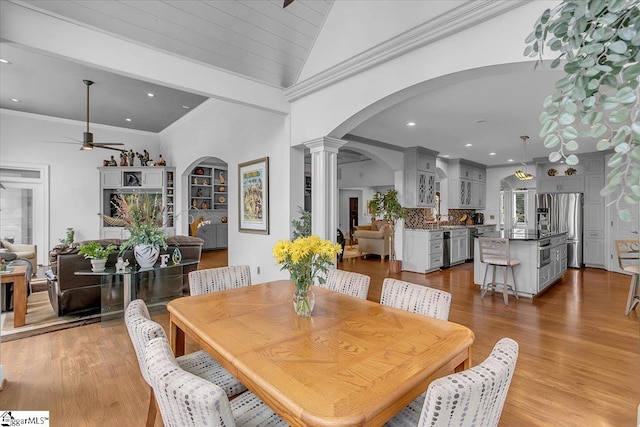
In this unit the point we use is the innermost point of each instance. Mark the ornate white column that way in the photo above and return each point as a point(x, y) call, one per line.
point(324, 186)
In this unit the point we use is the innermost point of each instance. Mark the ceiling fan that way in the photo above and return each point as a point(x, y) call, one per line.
point(87, 137)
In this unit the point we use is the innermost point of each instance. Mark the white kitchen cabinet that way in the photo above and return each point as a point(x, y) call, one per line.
point(458, 246)
point(111, 178)
point(420, 177)
point(561, 184)
point(594, 249)
point(467, 185)
point(422, 251)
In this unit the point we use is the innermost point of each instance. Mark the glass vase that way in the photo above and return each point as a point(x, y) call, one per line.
point(303, 301)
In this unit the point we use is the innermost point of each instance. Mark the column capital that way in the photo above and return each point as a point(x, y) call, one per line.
point(325, 143)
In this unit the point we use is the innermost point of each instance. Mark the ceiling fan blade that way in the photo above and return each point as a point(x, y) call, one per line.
point(86, 147)
point(99, 144)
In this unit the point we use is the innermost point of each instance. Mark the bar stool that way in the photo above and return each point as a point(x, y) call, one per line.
point(628, 260)
point(495, 253)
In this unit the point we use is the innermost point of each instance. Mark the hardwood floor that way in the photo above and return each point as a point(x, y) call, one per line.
point(579, 362)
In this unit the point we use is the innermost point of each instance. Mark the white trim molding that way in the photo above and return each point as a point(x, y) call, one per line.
point(471, 13)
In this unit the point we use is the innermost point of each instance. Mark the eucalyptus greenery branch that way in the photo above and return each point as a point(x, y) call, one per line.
point(598, 42)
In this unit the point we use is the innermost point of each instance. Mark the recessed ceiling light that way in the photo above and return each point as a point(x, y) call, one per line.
point(492, 154)
point(4, 61)
point(151, 95)
point(411, 124)
point(444, 155)
point(15, 100)
point(128, 119)
point(481, 122)
point(510, 160)
point(468, 145)
point(186, 107)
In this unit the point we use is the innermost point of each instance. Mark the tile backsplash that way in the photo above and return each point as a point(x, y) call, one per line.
point(423, 218)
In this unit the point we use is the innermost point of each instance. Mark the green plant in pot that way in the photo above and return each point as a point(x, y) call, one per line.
point(141, 215)
point(390, 210)
point(97, 253)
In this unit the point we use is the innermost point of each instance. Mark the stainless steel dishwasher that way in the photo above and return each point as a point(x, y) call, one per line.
point(473, 233)
point(446, 239)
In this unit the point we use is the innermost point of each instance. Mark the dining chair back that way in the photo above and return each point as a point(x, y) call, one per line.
point(187, 400)
point(142, 329)
point(219, 279)
point(628, 251)
point(475, 396)
point(347, 282)
point(416, 298)
point(495, 252)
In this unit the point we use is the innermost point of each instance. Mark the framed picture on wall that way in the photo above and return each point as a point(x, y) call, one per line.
point(253, 197)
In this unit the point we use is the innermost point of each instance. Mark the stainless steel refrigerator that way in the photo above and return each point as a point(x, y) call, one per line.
point(563, 212)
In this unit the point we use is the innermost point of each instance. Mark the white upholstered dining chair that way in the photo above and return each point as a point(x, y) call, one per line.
point(187, 400)
point(219, 279)
point(142, 329)
point(474, 397)
point(347, 282)
point(416, 298)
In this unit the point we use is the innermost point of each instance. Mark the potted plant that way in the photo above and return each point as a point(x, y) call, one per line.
point(141, 215)
point(97, 253)
point(389, 208)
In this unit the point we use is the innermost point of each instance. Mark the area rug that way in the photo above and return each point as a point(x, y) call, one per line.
point(41, 319)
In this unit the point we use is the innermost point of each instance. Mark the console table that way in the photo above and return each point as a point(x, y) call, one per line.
point(17, 276)
point(135, 283)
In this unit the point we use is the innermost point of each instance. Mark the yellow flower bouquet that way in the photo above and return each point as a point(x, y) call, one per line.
point(305, 258)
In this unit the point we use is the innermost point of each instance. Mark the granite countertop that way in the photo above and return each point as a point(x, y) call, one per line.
point(522, 234)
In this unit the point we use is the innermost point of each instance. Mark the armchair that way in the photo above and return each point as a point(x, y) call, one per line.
point(373, 238)
point(22, 251)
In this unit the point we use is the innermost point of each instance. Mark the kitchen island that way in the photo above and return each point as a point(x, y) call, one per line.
point(542, 256)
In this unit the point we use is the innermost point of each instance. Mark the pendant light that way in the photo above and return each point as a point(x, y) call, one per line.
point(520, 174)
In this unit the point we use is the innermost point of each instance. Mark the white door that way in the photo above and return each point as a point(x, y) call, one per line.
point(24, 211)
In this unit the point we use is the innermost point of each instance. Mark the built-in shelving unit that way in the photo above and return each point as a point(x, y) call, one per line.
point(208, 198)
point(116, 180)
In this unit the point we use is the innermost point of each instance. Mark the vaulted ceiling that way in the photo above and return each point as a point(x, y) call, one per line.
point(267, 43)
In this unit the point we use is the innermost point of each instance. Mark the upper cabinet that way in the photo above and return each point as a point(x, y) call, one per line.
point(419, 178)
point(467, 184)
point(560, 178)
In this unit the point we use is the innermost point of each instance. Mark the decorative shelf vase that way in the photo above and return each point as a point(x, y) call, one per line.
point(146, 255)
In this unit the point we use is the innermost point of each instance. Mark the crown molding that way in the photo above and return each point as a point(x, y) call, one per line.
point(453, 21)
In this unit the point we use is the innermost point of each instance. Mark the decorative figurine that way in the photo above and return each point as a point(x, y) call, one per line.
point(199, 192)
point(132, 157)
point(160, 161)
point(123, 159)
point(204, 205)
point(163, 260)
point(194, 203)
point(176, 257)
point(221, 177)
point(195, 181)
point(121, 265)
point(112, 161)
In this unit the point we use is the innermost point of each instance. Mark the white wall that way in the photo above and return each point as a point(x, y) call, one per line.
point(74, 179)
point(494, 176)
point(237, 134)
point(364, 174)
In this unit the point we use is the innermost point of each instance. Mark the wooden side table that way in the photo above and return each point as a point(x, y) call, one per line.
point(18, 276)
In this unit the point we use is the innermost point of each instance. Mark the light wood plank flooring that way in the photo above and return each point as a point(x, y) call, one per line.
point(579, 361)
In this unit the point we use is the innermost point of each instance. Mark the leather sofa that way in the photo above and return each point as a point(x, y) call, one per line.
point(373, 238)
point(22, 251)
point(82, 294)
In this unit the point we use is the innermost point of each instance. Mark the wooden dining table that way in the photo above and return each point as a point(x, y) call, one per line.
point(352, 363)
